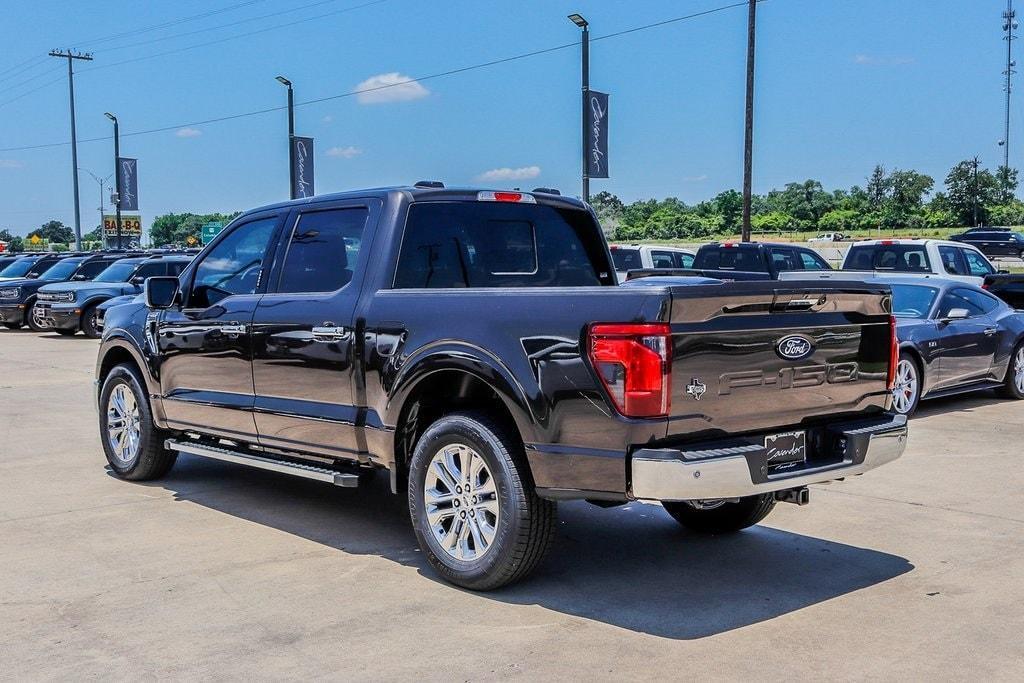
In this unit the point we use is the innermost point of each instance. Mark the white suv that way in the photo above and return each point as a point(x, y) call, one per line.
point(952, 260)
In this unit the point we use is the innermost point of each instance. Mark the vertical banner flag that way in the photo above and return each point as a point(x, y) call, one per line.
point(302, 173)
point(128, 190)
point(596, 106)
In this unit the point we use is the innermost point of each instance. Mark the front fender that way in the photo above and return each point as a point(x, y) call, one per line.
point(472, 360)
point(119, 344)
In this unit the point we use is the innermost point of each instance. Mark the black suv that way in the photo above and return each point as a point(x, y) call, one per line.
point(18, 297)
point(994, 241)
point(67, 307)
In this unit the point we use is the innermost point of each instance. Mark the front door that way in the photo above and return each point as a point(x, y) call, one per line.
point(304, 335)
point(967, 347)
point(206, 346)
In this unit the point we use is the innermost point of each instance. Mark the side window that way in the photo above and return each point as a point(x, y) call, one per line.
point(174, 268)
point(683, 260)
point(151, 269)
point(90, 270)
point(812, 261)
point(233, 267)
point(783, 259)
point(953, 260)
point(977, 264)
point(322, 250)
point(662, 259)
point(975, 303)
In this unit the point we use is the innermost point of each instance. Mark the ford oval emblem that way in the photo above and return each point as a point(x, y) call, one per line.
point(794, 347)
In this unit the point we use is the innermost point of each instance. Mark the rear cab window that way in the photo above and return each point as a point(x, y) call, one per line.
point(500, 244)
point(742, 258)
point(902, 258)
point(626, 258)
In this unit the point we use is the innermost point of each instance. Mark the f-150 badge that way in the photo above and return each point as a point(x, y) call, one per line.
point(696, 388)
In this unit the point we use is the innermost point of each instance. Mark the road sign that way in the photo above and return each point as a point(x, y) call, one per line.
point(191, 240)
point(211, 230)
point(131, 225)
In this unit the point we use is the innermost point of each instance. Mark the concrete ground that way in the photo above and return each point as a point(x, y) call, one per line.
point(914, 571)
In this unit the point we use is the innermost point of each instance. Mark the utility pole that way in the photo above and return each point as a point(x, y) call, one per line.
point(585, 69)
point(71, 57)
point(102, 182)
point(748, 128)
point(1009, 26)
point(974, 195)
point(291, 135)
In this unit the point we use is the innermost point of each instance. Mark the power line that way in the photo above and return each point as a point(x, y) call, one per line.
point(352, 93)
point(234, 37)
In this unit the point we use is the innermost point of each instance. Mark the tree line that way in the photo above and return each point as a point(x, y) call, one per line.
point(889, 200)
point(170, 229)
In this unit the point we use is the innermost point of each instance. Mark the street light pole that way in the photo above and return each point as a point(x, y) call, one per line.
point(585, 68)
point(117, 176)
point(291, 135)
point(102, 182)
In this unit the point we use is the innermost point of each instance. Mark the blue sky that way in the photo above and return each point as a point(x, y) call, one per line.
point(841, 85)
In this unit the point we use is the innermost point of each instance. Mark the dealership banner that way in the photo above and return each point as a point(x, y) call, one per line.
point(302, 172)
point(595, 106)
point(128, 188)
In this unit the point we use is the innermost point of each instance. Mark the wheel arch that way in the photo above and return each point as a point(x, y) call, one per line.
point(119, 351)
point(918, 358)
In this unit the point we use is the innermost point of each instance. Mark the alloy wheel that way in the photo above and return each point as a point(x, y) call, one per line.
point(905, 390)
point(461, 502)
point(1018, 369)
point(123, 424)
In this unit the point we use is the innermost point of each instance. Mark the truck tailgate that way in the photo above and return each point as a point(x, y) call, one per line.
point(759, 356)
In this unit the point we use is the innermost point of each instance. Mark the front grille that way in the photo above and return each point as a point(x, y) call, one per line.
point(56, 296)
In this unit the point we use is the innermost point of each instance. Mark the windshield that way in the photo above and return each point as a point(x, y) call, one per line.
point(626, 259)
point(18, 268)
point(912, 301)
point(118, 272)
point(61, 270)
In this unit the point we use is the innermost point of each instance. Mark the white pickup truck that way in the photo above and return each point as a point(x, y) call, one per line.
point(629, 257)
point(950, 260)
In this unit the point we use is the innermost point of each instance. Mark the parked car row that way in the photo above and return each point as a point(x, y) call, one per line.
point(64, 292)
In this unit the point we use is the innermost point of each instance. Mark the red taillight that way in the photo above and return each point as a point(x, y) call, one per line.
point(507, 196)
point(634, 363)
point(887, 242)
point(894, 352)
point(984, 286)
point(728, 245)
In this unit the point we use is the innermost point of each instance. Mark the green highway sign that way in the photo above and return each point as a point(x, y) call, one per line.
point(211, 230)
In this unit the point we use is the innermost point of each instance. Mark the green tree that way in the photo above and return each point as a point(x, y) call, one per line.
point(176, 228)
point(805, 202)
point(16, 245)
point(609, 210)
point(729, 205)
point(773, 221)
point(877, 188)
point(1009, 214)
point(55, 231)
point(969, 189)
point(839, 220)
point(1006, 178)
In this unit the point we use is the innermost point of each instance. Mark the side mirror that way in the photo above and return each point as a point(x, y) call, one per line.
point(957, 314)
point(161, 291)
point(1003, 271)
point(138, 280)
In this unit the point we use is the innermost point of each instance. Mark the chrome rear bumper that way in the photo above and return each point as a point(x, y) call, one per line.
point(738, 470)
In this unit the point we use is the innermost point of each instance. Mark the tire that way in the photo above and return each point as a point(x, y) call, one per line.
point(66, 333)
point(706, 517)
point(30, 319)
point(148, 459)
point(88, 323)
point(906, 394)
point(522, 524)
point(1013, 383)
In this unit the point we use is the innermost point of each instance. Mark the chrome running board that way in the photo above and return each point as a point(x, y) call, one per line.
point(296, 470)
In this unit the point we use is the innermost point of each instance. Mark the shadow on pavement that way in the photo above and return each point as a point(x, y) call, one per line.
point(631, 567)
point(958, 403)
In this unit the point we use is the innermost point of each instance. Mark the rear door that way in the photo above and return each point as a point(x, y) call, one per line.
point(967, 347)
point(206, 346)
point(773, 355)
point(304, 332)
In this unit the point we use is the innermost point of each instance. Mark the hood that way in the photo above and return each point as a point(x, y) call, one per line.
point(20, 281)
point(85, 286)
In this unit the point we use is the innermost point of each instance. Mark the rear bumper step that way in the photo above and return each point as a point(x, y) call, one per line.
point(296, 470)
point(736, 471)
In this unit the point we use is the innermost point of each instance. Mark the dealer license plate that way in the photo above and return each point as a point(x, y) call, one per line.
point(786, 450)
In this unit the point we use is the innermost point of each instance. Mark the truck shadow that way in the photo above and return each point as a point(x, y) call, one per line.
point(958, 403)
point(631, 566)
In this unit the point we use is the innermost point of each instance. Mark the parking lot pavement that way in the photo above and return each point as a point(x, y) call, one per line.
point(913, 571)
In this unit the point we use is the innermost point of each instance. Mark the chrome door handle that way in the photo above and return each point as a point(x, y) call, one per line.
point(992, 330)
point(233, 328)
point(329, 333)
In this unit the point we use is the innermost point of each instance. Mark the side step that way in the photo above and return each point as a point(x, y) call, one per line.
point(296, 470)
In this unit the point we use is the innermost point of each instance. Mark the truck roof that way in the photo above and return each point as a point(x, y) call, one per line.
point(907, 241)
point(422, 192)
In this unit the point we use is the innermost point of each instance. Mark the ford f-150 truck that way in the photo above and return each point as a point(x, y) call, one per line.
point(474, 346)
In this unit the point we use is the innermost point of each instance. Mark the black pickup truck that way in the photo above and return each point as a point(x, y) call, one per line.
point(475, 346)
point(741, 261)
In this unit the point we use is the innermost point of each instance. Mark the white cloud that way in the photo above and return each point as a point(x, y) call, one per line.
point(389, 87)
point(344, 152)
point(695, 178)
point(10, 163)
point(187, 132)
point(506, 173)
